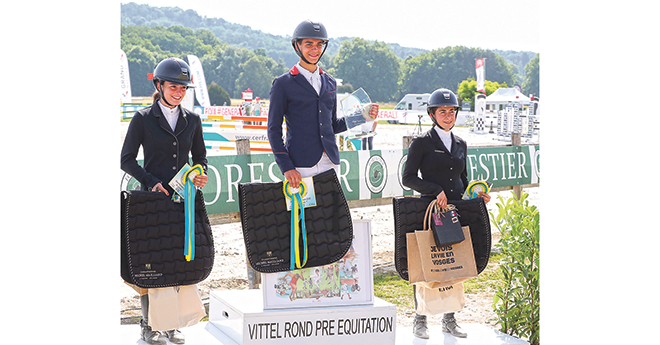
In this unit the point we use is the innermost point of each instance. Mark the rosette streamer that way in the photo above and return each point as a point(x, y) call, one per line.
point(189, 201)
point(297, 225)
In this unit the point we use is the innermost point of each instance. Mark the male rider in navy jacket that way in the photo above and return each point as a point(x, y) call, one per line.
point(306, 98)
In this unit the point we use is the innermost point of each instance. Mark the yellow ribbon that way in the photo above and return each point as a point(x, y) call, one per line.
point(472, 186)
point(297, 224)
point(189, 202)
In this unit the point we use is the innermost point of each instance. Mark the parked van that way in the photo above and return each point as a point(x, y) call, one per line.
point(411, 109)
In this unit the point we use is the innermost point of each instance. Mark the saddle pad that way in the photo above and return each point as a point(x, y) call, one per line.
point(409, 216)
point(152, 241)
point(267, 224)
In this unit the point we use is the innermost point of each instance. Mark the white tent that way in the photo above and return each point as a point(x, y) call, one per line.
point(504, 95)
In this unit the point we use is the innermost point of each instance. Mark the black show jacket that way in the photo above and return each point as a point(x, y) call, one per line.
point(165, 151)
point(440, 169)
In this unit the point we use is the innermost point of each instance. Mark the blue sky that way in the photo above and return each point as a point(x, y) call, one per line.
point(427, 24)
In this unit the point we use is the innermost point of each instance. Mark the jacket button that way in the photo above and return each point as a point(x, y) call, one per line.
point(174, 167)
point(174, 143)
point(174, 155)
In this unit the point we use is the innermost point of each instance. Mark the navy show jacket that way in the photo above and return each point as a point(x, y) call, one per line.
point(311, 120)
point(165, 151)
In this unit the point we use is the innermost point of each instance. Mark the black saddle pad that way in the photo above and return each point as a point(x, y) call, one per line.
point(266, 224)
point(409, 216)
point(152, 241)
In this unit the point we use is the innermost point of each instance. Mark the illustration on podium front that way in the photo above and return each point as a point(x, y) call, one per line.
point(348, 281)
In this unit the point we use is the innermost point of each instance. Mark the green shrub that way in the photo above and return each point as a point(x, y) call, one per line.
point(218, 95)
point(516, 301)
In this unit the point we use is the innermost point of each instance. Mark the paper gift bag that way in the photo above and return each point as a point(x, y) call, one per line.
point(439, 300)
point(444, 223)
point(445, 265)
point(415, 272)
point(175, 307)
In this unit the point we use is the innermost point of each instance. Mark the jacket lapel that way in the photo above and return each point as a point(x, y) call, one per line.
point(437, 142)
point(182, 122)
point(454, 145)
point(158, 114)
point(324, 83)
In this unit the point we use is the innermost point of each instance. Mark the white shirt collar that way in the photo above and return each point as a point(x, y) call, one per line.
point(171, 114)
point(444, 136)
point(314, 78)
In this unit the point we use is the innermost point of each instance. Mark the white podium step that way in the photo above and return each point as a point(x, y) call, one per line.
point(204, 333)
point(237, 317)
point(478, 334)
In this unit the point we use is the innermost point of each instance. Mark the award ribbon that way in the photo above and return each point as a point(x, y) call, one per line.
point(297, 224)
point(475, 187)
point(189, 202)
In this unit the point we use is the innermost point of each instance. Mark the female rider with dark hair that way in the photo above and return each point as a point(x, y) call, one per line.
point(168, 134)
point(441, 158)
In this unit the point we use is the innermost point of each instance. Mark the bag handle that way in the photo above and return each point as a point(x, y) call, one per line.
point(433, 207)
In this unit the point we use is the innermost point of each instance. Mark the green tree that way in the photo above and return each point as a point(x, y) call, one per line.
point(372, 66)
point(448, 67)
point(141, 62)
point(218, 95)
point(468, 88)
point(345, 88)
point(531, 83)
point(224, 67)
point(256, 76)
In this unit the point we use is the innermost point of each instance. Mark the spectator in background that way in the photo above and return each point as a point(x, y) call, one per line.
point(368, 127)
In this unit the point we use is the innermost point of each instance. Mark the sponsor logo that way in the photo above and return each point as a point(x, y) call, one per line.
point(376, 174)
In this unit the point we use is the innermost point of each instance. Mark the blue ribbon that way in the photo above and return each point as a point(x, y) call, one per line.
point(297, 226)
point(189, 202)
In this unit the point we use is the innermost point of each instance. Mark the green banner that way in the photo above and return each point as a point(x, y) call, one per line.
point(363, 174)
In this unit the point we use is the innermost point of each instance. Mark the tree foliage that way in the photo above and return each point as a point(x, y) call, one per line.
point(370, 65)
point(468, 88)
point(387, 71)
point(222, 63)
point(256, 75)
point(518, 59)
point(448, 67)
point(517, 301)
point(218, 95)
point(531, 82)
point(277, 47)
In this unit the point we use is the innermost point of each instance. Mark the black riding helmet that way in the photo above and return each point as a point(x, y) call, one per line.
point(309, 29)
point(442, 98)
point(175, 71)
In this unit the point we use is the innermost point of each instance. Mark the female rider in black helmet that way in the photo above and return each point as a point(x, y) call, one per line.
point(168, 134)
point(440, 156)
